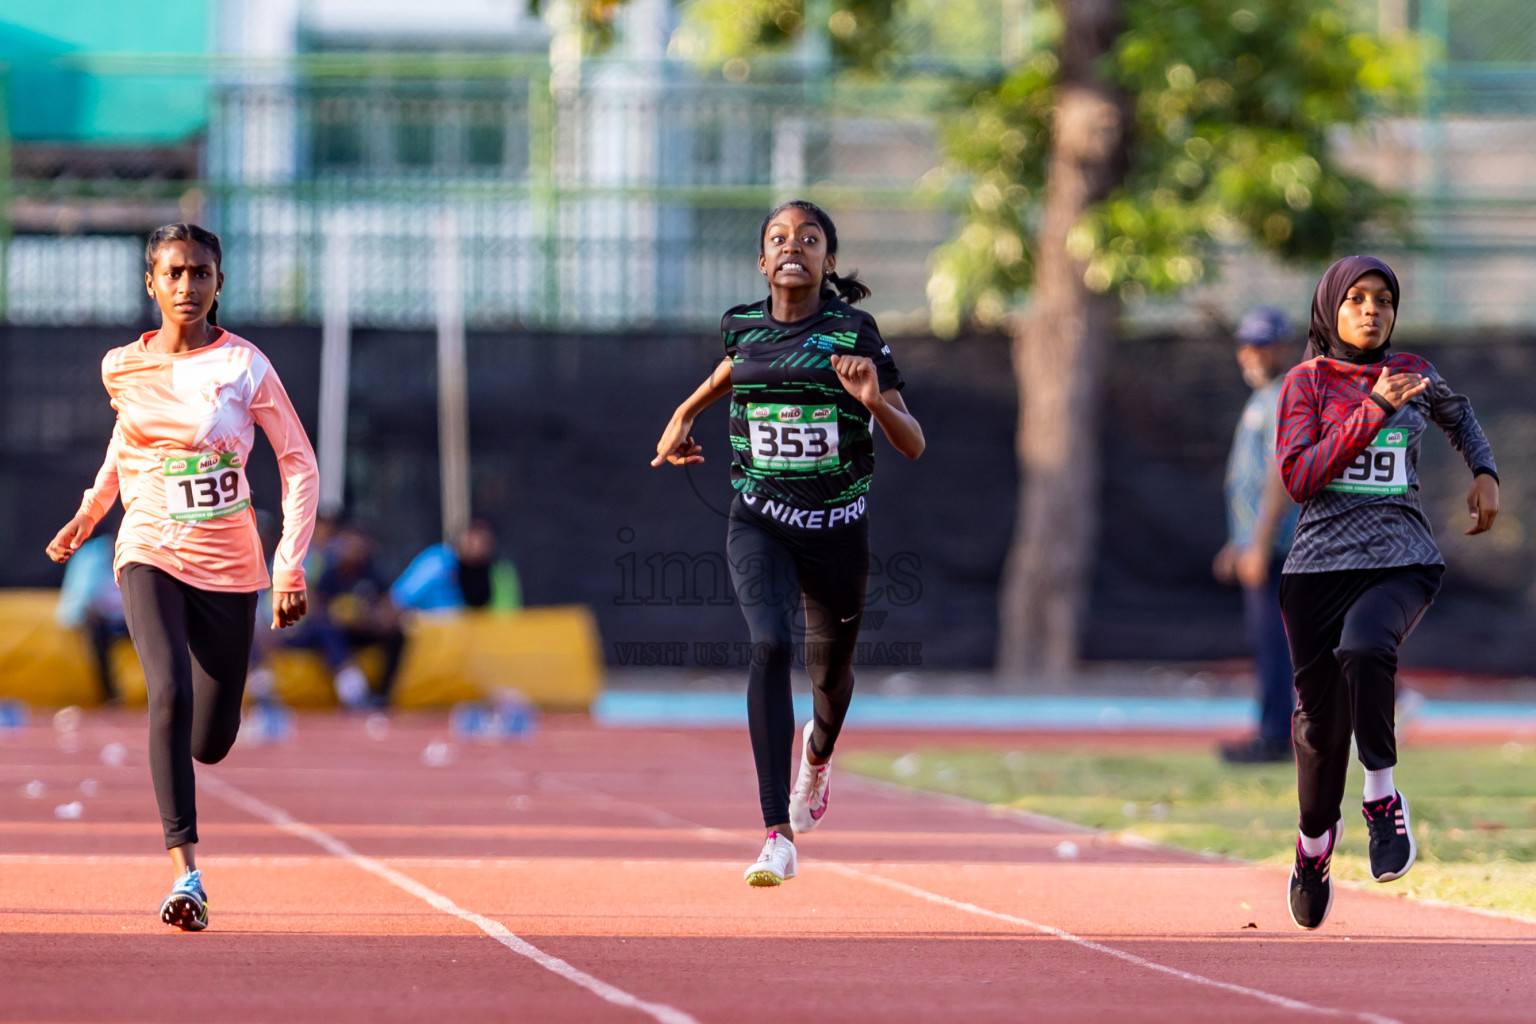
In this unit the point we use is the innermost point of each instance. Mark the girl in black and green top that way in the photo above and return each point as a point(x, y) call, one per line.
point(806, 373)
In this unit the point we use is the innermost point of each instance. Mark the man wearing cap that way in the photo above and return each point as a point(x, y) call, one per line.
point(1261, 521)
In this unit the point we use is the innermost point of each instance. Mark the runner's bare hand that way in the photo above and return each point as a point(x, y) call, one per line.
point(857, 376)
point(68, 540)
point(1398, 389)
point(1482, 503)
point(288, 607)
point(677, 446)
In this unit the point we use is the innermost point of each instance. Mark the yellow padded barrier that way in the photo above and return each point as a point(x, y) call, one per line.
point(299, 676)
point(553, 656)
point(39, 662)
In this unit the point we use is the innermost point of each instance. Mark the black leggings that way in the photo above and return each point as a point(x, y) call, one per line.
point(1344, 629)
point(194, 646)
point(775, 569)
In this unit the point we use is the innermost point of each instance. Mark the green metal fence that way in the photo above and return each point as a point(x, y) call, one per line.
point(598, 196)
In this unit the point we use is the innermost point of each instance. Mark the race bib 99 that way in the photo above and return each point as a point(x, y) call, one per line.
point(1380, 469)
point(208, 486)
point(793, 437)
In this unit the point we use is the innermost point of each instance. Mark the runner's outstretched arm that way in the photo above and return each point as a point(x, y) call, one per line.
point(300, 475)
point(677, 445)
point(1453, 414)
point(858, 377)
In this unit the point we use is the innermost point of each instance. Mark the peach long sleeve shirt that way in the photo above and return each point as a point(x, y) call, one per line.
point(189, 405)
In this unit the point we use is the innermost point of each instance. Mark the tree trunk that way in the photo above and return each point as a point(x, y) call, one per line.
point(1059, 353)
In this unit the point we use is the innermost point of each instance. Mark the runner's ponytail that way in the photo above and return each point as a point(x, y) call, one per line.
point(186, 233)
point(850, 289)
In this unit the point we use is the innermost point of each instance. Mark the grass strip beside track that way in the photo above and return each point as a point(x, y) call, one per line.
point(1473, 807)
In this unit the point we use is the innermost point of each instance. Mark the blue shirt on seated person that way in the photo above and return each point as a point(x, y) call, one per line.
point(464, 574)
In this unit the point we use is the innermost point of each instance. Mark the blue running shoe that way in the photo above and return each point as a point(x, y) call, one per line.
point(187, 905)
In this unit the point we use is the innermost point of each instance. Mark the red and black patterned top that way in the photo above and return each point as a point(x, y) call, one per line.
point(1353, 464)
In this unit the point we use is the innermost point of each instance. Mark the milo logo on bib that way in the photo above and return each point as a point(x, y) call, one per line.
point(790, 413)
point(1381, 469)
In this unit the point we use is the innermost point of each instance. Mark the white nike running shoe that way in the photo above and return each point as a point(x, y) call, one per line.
point(775, 864)
point(813, 788)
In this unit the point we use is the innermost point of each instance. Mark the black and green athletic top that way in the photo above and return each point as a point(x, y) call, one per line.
point(801, 450)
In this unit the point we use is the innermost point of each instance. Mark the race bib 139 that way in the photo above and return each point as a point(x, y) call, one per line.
point(208, 486)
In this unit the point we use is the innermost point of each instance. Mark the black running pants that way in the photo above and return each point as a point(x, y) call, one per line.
point(1344, 630)
point(792, 585)
point(194, 646)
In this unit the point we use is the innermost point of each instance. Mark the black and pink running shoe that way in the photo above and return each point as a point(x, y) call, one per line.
point(1393, 850)
point(1311, 890)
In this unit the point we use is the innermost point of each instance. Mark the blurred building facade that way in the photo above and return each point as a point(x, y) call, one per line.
point(585, 193)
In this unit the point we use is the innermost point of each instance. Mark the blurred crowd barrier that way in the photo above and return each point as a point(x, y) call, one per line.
point(551, 656)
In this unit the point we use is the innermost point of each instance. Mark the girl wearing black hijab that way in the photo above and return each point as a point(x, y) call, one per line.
point(1364, 566)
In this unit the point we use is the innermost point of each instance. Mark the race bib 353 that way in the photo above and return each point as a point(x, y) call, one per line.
point(793, 437)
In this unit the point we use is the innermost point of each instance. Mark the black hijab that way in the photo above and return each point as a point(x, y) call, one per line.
point(1323, 336)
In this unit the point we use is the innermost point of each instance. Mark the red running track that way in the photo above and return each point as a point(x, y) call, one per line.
point(595, 875)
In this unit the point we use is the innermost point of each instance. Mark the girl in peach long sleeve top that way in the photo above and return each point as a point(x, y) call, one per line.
point(189, 398)
point(189, 405)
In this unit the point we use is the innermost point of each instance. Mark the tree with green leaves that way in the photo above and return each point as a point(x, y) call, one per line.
point(1120, 161)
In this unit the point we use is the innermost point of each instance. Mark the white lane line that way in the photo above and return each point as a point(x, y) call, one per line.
point(1043, 822)
point(1284, 1002)
point(655, 815)
point(1498, 915)
point(285, 822)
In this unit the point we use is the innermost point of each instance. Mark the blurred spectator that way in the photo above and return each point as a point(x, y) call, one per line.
point(89, 600)
point(1261, 523)
point(464, 574)
point(350, 610)
point(320, 543)
point(259, 681)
